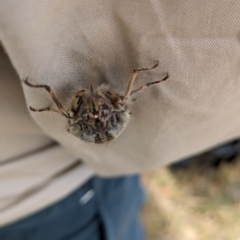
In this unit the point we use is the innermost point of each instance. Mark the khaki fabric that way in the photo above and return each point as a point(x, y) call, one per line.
point(70, 45)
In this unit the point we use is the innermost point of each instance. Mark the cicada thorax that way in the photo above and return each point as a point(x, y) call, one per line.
point(100, 116)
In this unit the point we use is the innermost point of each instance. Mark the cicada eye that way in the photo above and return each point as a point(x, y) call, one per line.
point(85, 116)
point(105, 110)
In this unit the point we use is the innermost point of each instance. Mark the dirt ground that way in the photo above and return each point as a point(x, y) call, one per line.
point(193, 204)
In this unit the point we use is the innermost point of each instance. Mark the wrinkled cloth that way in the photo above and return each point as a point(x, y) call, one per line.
point(34, 171)
point(71, 45)
point(102, 209)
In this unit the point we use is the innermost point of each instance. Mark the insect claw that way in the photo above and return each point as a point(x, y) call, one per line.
point(156, 64)
point(165, 78)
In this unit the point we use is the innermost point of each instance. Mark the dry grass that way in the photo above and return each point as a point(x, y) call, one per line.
point(193, 204)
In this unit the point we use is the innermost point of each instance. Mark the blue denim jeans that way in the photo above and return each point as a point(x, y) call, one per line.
point(101, 209)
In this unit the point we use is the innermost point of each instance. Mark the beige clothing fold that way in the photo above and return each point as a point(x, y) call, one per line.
point(34, 171)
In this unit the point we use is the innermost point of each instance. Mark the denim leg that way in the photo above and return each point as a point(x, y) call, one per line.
point(120, 200)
